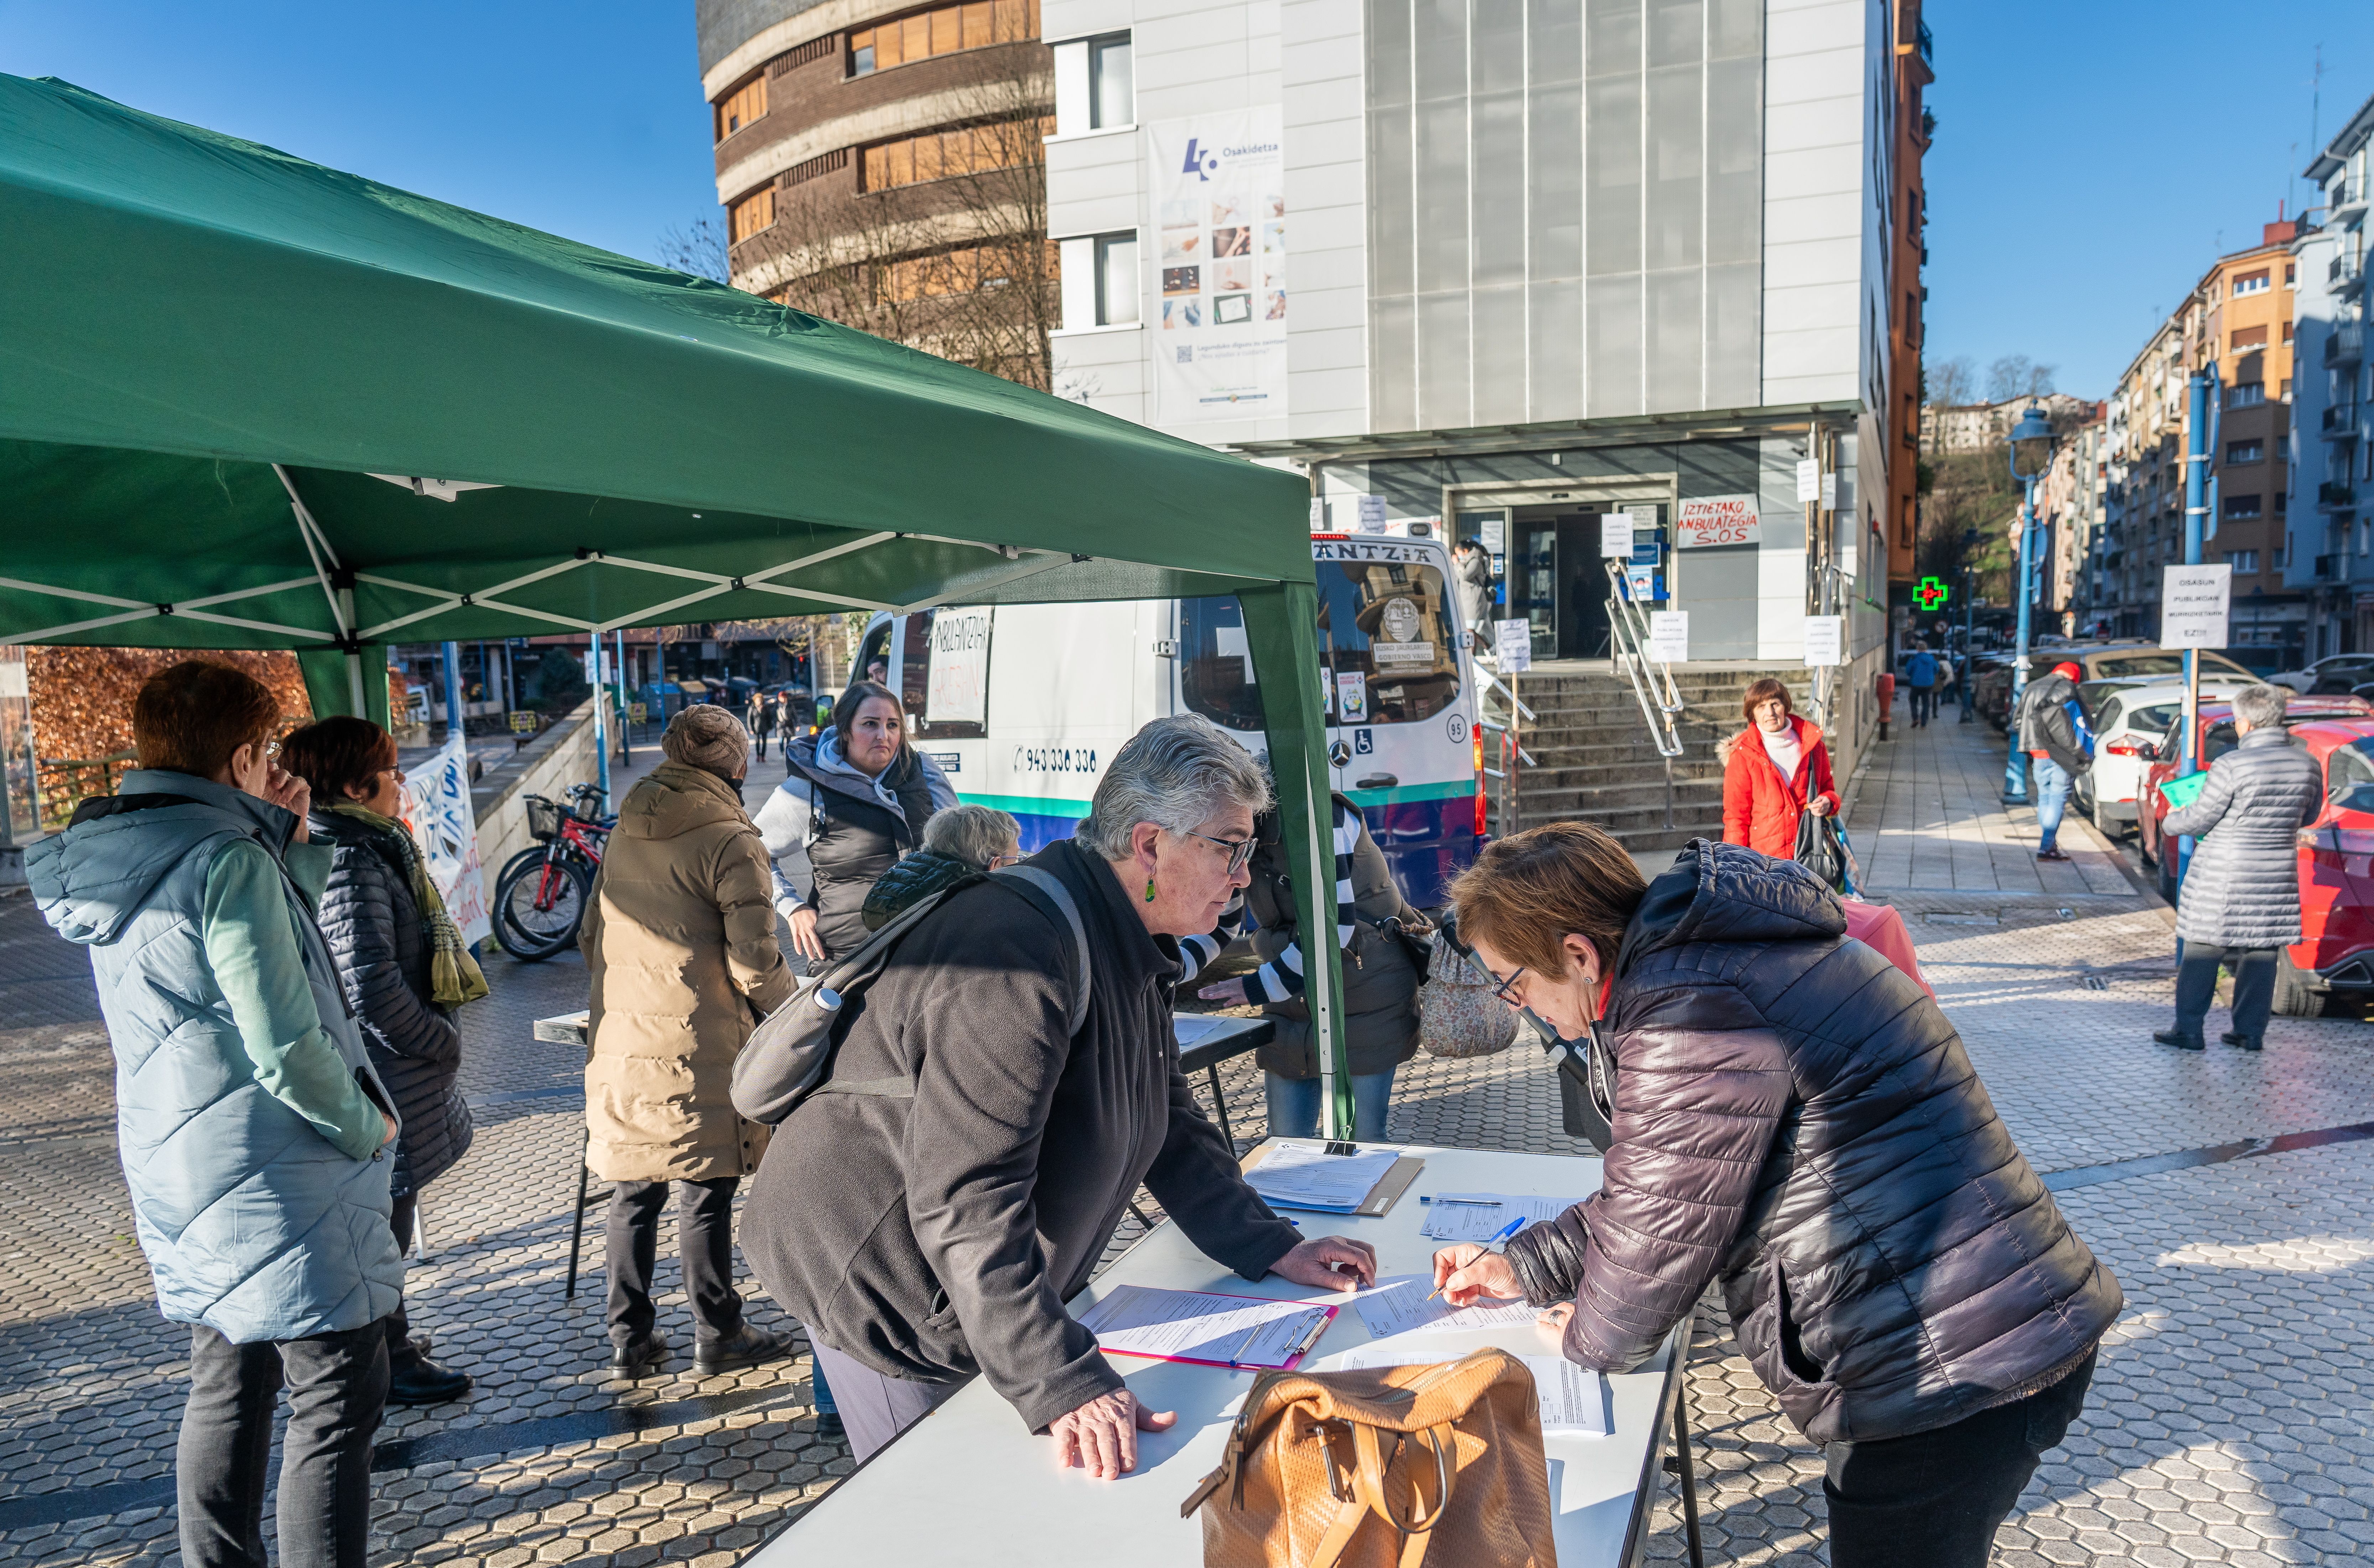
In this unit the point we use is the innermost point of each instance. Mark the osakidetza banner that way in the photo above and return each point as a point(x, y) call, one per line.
point(1219, 257)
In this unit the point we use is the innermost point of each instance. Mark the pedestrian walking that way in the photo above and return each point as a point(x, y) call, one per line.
point(1774, 772)
point(1794, 1119)
point(1380, 977)
point(855, 799)
point(1472, 579)
point(252, 1126)
point(1921, 676)
point(928, 1223)
point(405, 972)
point(2240, 905)
point(762, 721)
point(2056, 752)
point(679, 944)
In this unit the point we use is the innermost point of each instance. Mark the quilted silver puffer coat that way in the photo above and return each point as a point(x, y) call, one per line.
point(2243, 887)
point(1795, 1118)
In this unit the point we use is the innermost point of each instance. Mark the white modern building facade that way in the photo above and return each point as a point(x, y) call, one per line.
point(2330, 551)
point(1512, 265)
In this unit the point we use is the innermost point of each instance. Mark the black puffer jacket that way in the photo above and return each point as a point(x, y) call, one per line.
point(373, 927)
point(1795, 1117)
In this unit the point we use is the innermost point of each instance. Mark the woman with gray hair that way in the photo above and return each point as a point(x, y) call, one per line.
point(927, 1213)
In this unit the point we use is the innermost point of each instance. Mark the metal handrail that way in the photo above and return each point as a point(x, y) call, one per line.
point(1492, 683)
point(1628, 627)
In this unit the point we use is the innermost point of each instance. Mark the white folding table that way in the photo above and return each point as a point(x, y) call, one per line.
point(969, 1484)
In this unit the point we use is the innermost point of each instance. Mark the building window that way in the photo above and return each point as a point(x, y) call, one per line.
point(2246, 395)
point(950, 30)
point(960, 271)
point(751, 214)
point(2248, 337)
point(1112, 95)
point(944, 155)
point(2251, 283)
point(743, 105)
point(2240, 508)
point(2242, 561)
point(2288, 332)
point(2245, 452)
point(1117, 289)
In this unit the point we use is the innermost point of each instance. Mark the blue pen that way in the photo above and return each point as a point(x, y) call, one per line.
point(1511, 1228)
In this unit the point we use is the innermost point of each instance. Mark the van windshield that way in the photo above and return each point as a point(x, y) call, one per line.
point(1382, 620)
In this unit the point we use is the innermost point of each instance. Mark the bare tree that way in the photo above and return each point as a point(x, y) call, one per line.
point(943, 246)
point(2017, 375)
point(698, 248)
point(1953, 384)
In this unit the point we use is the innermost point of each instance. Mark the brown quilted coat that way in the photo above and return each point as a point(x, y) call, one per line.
point(1795, 1118)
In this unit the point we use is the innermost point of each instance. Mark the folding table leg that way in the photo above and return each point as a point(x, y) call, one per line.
point(577, 1218)
point(1220, 1105)
point(1683, 1468)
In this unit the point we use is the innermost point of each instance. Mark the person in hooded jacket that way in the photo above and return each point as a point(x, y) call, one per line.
point(1774, 772)
point(855, 800)
point(2048, 734)
point(682, 960)
point(252, 1126)
point(405, 970)
point(1794, 1119)
point(1471, 571)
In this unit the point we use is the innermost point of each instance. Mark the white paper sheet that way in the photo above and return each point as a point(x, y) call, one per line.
point(1304, 1175)
point(1400, 1305)
point(1480, 1216)
point(1575, 1400)
point(1194, 1326)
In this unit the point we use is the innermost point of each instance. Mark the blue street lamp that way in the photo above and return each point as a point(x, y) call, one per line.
point(2031, 454)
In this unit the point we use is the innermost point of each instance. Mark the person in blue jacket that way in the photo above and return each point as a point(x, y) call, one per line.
point(1921, 676)
point(253, 1131)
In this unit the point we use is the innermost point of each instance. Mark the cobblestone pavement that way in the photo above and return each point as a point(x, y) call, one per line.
point(2229, 1422)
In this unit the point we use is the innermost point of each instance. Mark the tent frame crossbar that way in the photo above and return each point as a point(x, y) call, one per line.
point(135, 609)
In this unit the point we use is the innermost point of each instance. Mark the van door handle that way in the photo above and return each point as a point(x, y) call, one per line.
point(1378, 781)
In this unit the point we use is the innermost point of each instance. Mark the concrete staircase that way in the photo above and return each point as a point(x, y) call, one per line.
point(1595, 760)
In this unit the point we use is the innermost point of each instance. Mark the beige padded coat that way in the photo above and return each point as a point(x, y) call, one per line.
point(679, 946)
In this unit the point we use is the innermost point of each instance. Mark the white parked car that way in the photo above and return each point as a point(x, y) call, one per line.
point(2336, 675)
point(2125, 714)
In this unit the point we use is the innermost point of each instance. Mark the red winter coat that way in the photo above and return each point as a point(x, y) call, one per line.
point(1760, 807)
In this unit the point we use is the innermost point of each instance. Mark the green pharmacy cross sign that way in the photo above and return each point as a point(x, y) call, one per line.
point(1932, 593)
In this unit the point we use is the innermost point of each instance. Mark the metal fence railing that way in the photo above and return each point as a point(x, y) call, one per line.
point(1653, 688)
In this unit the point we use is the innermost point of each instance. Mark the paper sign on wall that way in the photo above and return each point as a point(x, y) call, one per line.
point(2194, 605)
point(1513, 642)
point(1825, 640)
point(1615, 534)
point(1830, 492)
point(1218, 185)
point(1809, 480)
point(1351, 697)
point(1371, 514)
point(1318, 515)
point(1494, 531)
point(1669, 636)
point(958, 690)
point(436, 806)
point(1705, 520)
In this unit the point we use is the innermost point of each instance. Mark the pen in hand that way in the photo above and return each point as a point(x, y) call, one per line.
point(1505, 1232)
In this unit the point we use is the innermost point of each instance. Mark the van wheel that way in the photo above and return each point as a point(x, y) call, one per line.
point(2299, 993)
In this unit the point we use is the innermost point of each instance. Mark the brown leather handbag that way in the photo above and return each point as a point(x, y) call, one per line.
point(1377, 1468)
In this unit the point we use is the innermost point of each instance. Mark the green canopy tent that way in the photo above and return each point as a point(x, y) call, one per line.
point(250, 402)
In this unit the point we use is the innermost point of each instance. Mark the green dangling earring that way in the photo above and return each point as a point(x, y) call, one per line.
point(1149, 889)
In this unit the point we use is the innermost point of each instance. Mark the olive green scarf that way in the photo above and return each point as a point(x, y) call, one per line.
point(453, 975)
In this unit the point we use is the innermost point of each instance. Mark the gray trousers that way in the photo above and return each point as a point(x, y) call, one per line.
point(876, 1408)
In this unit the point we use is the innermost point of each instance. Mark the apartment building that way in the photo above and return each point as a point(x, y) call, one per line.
point(2069, 511)
point(2331, 558)
point(1908, 331)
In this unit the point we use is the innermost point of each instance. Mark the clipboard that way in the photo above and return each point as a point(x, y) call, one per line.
point(1381, 1198)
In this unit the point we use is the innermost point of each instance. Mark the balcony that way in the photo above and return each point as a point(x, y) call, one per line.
point(2345, 343)
point(2341, 422)
point(2336, 496)
point(2331, 568)
point(2342, 272)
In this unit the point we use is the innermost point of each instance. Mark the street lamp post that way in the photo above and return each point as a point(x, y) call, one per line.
point(1970, 621)
point(2031, 454)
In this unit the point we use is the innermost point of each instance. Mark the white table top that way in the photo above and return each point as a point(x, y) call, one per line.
point(969, 1484)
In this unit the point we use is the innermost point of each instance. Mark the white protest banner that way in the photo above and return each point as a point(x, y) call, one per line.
point(2193, 604)
point(1218, 189)
point(1615, 534)
point(436, 808)
point(1351, 697)
point(1809, 480)
point(1669, 636)
point(1825, 640)
point(957, 683)
point(1705, 520)
point(1372, 513)
point(1513, 641)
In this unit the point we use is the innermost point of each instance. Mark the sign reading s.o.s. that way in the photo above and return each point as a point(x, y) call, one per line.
point(1702, 521)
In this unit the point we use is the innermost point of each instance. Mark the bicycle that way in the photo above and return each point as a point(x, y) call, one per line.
point(540, 897)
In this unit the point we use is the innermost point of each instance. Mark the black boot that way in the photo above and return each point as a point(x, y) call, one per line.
point(745, 1347)
point(635, 1357)
point(2180, 1039)
point(416, 1380)
point(2247, 1042)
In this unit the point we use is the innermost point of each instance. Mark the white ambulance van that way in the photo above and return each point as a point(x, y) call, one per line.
point(1024, 705)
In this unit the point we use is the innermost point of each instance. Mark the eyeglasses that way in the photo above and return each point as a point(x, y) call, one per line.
point(1506, 989)
point(271, 750)
point(1000, 862)
point(1240, 850)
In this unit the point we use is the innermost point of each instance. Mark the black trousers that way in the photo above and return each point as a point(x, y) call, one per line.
point(2254, 986)
point(1936, 1497)
point(405, 1218)
point(704, 1239)
point(1925, 703)
point(337, 1383)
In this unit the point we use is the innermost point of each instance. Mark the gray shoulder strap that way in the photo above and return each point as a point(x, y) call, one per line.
point(1049, 889)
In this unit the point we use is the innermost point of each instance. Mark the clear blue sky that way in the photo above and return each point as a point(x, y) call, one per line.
point(2094, 156)
point(583, 118)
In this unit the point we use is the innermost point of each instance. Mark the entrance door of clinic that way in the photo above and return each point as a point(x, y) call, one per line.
point(1563, 585)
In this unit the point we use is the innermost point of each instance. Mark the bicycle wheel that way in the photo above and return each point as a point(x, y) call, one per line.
point(539, 906)
point(532, 855)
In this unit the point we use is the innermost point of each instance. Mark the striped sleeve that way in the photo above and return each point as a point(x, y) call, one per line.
point(1196, 953)
point(1281, 978)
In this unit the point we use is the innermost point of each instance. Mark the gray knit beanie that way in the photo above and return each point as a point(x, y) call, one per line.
point(706, 736)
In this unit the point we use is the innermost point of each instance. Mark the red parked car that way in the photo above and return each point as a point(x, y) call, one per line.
point(2336, 853)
